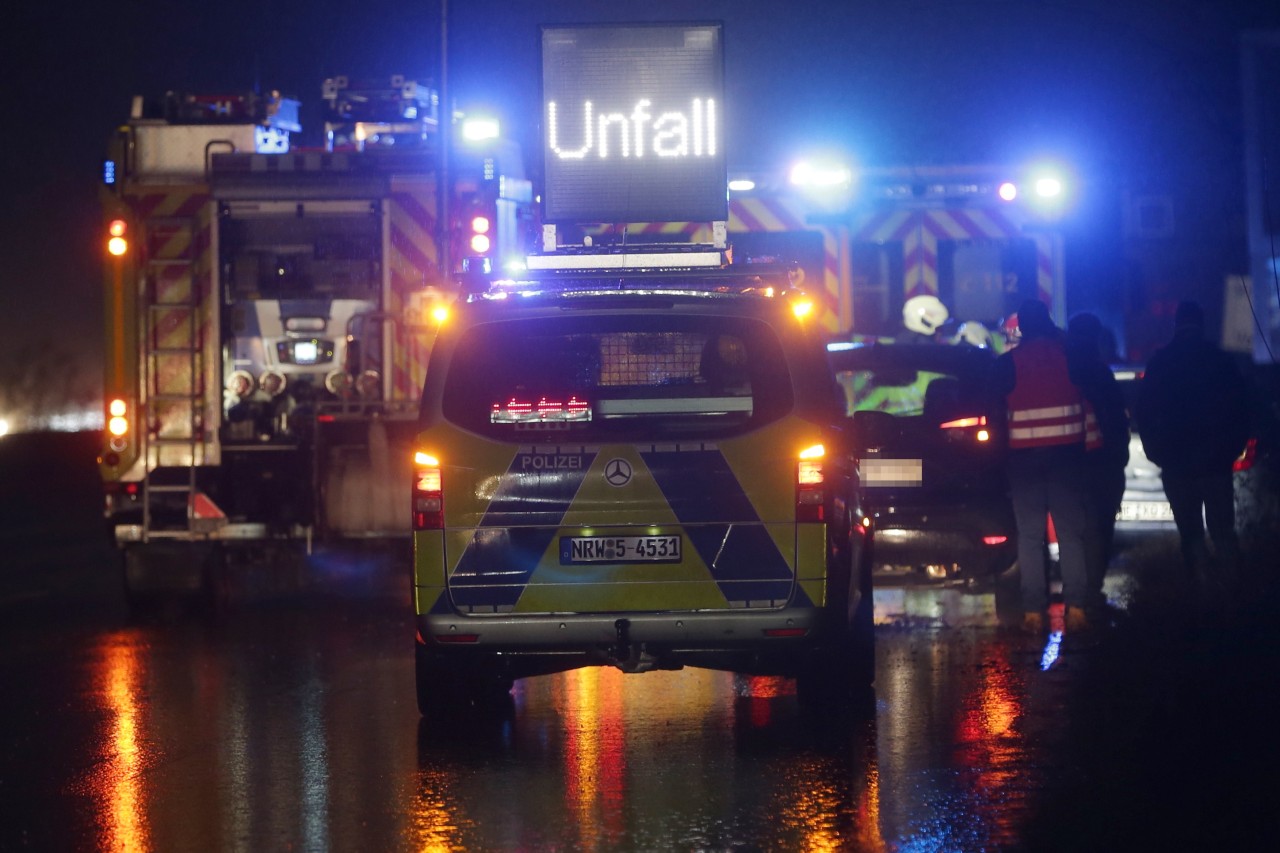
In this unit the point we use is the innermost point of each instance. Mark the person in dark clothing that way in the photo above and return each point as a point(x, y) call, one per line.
point(1106, 441)
point(1193, 416)
point(1045, 463)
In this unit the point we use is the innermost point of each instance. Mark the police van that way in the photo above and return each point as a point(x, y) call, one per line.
point(639, 461)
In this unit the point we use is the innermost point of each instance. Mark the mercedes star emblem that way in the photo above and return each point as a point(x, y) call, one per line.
point(617, 472)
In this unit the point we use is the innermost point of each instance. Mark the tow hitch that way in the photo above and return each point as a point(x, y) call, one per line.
point(627, 655)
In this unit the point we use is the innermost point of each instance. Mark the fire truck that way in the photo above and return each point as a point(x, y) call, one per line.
point(269, 309)
point(980, 238)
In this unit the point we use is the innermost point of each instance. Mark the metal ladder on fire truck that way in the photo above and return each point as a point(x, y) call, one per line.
point(173, 379)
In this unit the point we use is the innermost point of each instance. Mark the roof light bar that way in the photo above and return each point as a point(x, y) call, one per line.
point(627, 260)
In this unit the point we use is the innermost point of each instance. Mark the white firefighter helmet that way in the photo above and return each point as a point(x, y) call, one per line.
point(924, 314)
point(974, 333)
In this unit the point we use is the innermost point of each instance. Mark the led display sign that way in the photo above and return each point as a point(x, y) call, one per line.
point(633, 123)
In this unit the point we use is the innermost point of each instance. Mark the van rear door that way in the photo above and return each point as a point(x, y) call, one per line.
point(620, 462)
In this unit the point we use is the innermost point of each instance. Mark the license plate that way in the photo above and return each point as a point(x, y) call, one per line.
point(891, 472)
point(619, 549)
point(1145, 511)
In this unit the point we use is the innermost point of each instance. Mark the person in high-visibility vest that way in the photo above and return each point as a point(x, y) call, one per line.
point(1045, 464)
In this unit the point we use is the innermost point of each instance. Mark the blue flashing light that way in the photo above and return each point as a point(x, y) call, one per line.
point(109, 172)
point(742, 185)
point(807, 174)
point(1008, 191)
point(1048, 187)
point(479, 129)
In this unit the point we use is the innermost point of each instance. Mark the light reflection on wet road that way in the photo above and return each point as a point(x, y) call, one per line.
point(291, 725)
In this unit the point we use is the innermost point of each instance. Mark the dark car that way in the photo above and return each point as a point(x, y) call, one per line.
point(930, 461)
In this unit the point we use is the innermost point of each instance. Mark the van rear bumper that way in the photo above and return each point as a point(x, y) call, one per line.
point(570, 631)
point(772, 642)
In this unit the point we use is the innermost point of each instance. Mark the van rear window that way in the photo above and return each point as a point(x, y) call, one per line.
point(618, 376)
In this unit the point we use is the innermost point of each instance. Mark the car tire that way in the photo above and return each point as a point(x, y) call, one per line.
point(841, 675)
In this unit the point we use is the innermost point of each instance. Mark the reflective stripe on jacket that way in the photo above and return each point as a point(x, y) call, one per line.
point(1092, 430)
point(1045, 408)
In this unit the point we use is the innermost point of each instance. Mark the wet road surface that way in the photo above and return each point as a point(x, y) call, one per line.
point(284, 719)
point(287, 721)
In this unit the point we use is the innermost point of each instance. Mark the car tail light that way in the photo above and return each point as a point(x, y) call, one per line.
point(544, 410)
point(119, 425)
point(117, 239)
point(811, 494)
point(974, 426)
point(1246, 459)
point(994, 540)
point(428, 496)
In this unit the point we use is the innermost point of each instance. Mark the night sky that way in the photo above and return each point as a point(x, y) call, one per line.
point(1141, 94)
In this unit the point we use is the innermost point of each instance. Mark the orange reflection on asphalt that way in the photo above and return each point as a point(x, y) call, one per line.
point(595, 755)
point(813, 806)
point(119, 784)
point(819, 796)
point(991, 744)
point(434, 825)
point(867, 808)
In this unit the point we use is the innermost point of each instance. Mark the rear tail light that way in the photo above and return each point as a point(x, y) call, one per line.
point(117, 239)
point(545, 410)
point(811, 496)
point(428, 496)
point(974, 426)
point(994, 540)
point(118, 425)
point(1246, 459)
point(120, 495)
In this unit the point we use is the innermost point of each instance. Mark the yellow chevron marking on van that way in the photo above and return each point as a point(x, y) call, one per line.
point(816, 590)
point(428, 558)
point(455, 545)
point(764, 463)
point(811, 551)
point(598, 504)
point(686, 585)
